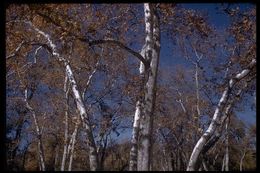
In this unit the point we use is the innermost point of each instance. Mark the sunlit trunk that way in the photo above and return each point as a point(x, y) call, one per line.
point(134, 141)
point(152, 55)
point(216, 117)
point(93, 160)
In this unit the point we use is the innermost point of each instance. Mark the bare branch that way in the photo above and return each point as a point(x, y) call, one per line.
point(217, 115)
point(121, 45)
point(16, 50)
point(36, 52)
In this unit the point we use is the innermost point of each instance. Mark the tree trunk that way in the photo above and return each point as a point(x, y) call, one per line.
point(197, 118)
point(57, 148)
point(197, 93)
point(64, 156)
point(223, 163)
point(134, 141)
point(205, 167)
point(38, 132)
point(227, 152)
point(72, 144)
point(152, 55)
point(217, 116)
point(241, 160)
point(93, 158)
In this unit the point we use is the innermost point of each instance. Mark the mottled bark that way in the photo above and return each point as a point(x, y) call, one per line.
point(93, 160)
point(136, 123)
point(152, 54)
point(134, 140)
point(217, 116)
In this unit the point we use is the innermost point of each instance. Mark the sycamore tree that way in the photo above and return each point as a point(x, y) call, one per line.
point(80, 76)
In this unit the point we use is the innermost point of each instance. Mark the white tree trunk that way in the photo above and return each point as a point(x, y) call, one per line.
point(134, 141)
point(197, 92)
point(197, 118)
point(223, 163)
point(38, 132)
point(72, 144)
point(152, 54)
point(93, 160)
point(216, 117)
point(205, 167)
point(64, 156)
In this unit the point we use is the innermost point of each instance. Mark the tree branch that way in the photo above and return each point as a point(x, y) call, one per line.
point(16, 50)
point(121, 45)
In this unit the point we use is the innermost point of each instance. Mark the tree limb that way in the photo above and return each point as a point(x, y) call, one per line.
point(121, 45)
point(217, 115)
point(16, 50)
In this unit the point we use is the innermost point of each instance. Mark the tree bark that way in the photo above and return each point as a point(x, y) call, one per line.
point(93, 160)
point(66, 91)
point(197, 93)
point(121, 45)
point(72, 144)
point(217, 115)
point(227, 152)
point(152, 52)
point(134, 140)
point(241, 160)
point(205, 167)
point(38, 132)
point(57, 148)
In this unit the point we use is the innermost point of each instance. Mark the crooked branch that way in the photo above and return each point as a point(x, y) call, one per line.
point(121, 45)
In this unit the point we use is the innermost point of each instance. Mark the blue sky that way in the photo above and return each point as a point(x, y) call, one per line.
point(169, 59)
point(219, 21)
point(216, 18)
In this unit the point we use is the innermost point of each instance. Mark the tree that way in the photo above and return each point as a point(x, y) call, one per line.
point(84, 122)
